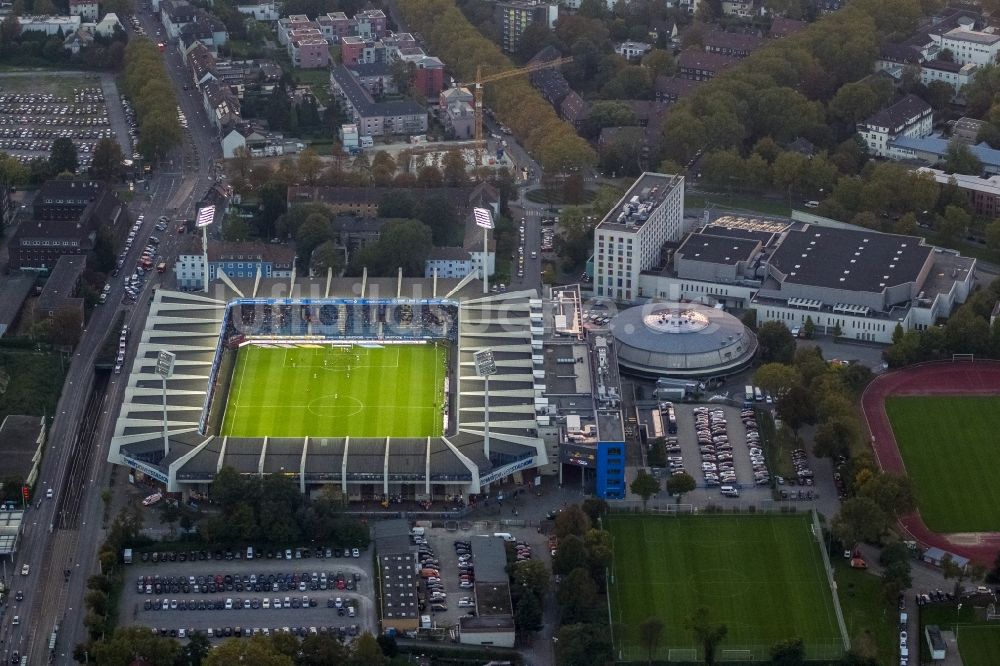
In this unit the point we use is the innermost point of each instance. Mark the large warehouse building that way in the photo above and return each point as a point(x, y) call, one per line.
point(862, 283)
point(193, 326)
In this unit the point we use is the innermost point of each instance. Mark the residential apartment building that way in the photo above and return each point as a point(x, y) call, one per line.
point(983, 193)
point(697, 65)
point(457, 262)
point(290, 23)
point(50, 25)
point(221, 104)
point(308, 49)
point(630, 238)
point(85, 9)
point(403, 117)
point(739, 8)
point(513, 16)
point(66, 218)
point(237, 260)
point(261, 10)
point(954, 74)
point(376, 77)
point(370, 24)
point(632, 50)
point(733, 44)
point(909, 117)
point(970, 46)
point(456, 112)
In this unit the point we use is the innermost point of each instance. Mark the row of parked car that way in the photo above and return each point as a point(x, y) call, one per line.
point(342, 633)
point(712, 433)
point(430, 571)
point(761, 474)
point(254, 603)
point(277, 582)
point(250, 553)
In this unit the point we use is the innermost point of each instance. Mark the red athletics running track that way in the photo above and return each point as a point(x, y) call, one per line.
point(937, 378)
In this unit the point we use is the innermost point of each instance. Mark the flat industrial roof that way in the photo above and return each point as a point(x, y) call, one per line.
point(651, 187)
point(849, 259)
point(717, 249)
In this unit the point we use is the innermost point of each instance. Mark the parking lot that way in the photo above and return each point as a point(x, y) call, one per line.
point(441, 543)
point(735, 453)
point(259, 596)
point(31, 121)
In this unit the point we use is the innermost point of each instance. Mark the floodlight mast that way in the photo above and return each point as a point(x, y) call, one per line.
point(165, 369)
point(484, 218)
point(485, 366)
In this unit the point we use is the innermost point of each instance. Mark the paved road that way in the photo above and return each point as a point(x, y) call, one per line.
point(47, 549)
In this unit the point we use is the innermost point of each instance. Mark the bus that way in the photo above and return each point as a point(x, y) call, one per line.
point(657, 424)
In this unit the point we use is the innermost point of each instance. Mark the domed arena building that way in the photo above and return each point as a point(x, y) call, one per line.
point(670, 339)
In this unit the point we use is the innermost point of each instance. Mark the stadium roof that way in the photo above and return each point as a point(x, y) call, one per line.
point(188, 324)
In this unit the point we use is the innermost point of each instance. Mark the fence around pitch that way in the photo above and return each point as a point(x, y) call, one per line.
point(725, 653)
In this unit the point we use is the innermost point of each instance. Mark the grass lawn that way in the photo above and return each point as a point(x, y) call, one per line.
point(394, 391)
point(41, 83)
point(762, 576)
point(30, 382)
point(979, 644)
point(738, 202)
point(554, 196)
point(949, 447)
point(872, 622)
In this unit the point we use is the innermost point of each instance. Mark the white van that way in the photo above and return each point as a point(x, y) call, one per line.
point(249, 552)
point(812, 204)
point(729, 491)
point(758, 395)
point(748, 393)
point(506, 536)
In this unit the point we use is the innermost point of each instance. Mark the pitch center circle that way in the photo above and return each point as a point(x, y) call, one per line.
point(341, 406)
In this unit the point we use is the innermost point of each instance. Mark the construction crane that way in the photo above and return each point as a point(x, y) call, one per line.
point(477, 92)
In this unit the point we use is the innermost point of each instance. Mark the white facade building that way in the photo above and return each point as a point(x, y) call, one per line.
point(260, 10)
point(630, 238)
point(970, 46)
point(50, 25)
point(85, 9)
point(910, 116)
point(954, 74)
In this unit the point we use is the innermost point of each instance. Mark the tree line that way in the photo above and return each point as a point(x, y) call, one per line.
point(148, 86)
point(517, 104)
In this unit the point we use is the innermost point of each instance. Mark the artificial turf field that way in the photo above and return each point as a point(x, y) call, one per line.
point(979, 644)
point(949, 446)
point(762, 576)
point(324, 391)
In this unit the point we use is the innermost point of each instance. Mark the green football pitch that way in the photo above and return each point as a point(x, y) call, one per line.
point(761, 576)
point(979, 644)
point(949, 445)
point(325, 391)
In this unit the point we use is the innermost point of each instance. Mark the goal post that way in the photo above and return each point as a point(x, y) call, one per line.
point(963, 357)
point(735, 655)
point(689, 655)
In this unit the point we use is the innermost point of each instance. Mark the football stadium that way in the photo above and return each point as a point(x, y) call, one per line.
point(367, 385)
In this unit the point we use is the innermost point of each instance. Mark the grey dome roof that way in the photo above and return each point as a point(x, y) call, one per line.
point(681, 339)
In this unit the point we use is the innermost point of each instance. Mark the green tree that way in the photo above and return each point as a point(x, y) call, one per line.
point(197, 648)
point(584, 645)
point(366, 652)
point(404, 244)
point(595, 508)
point(577, 597)
point(680, 484)
point(256, 650)
point(959, 158)
point(326, 256)
point(320, 650)
point(106, 164)
point(797, 407)
point(309, 166)
point(453, 169)
point(892, 493)
point(993, 235)
point(775, 342)
point(571, 520)
point(660, 62)
point(896, 578)
point(645, 486)
point(859, 519)
point(62, 156)
point(575, 241)
point(531, 576)
point(127, 644)
point(835, 436)
point(383, 171)
point(791, 652)
point(776, 378)
point(709, 634)
point(528, 613)
point(235, 228)
point(650, 632)
point(430, 176)
point(571, 554)
point(311, 234)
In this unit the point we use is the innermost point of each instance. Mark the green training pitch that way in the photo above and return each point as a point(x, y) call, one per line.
point(979, 644)
point(949, 447)
point(761, 576)
point(324, 391)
